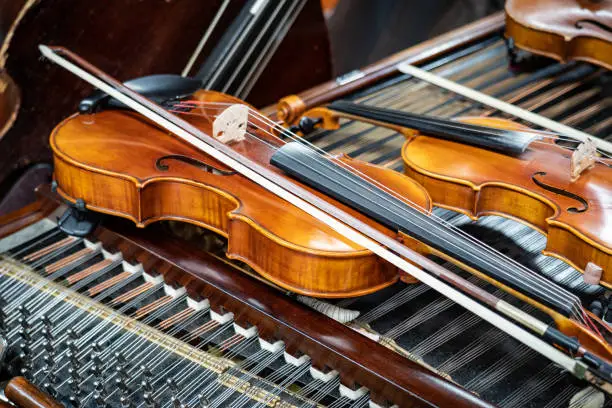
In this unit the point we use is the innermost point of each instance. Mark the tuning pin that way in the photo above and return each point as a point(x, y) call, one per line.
point(149, 400)
point(75, 398)
point(176, 403)
point(46, 320)
point(49, 346)
point(23, 311)
point(99, 400)
point(203, 401)
point(72, 334)
point(126, 401)
point(26, 361)
point(172, 385)
point(50, 388)
point(24, 333)
point(47, 333)
point(120, 384)
point(98, 347)
point(146, 379)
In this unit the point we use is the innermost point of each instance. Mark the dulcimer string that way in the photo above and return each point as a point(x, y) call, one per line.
point(548, 289)
point(496, 311)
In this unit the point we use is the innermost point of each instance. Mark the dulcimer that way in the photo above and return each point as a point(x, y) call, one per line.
point(310, 223)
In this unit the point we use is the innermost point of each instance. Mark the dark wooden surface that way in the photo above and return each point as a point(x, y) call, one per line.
point(24, 394)
point(358, 359)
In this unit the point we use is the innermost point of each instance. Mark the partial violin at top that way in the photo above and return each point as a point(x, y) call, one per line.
point(562, 29)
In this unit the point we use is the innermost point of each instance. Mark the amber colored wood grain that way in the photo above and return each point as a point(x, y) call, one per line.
point(479, 182)
point(108, 160)
point(25, 216)
point(24, 394)
point(563, 29)
point(390, 378)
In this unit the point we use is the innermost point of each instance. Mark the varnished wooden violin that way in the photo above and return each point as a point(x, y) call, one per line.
point(502, 168)
point(319, 225)
point(562, 29)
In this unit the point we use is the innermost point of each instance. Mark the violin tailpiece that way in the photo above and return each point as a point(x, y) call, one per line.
point(592, 274)
point(230, 125)
point(583, 157)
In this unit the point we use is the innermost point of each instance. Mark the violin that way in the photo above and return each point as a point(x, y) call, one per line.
point(316, 225)
point(562, 29)
point(491, 166)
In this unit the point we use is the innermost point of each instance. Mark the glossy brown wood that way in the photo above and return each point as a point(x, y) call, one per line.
point(109, 160)
point(563, 29)
point(16, 220)
point(128, 39)
point(480, 182)
point(24, 394)
point(418, 54)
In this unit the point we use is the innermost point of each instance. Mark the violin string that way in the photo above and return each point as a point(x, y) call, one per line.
point(490, 264)
point(538, 277)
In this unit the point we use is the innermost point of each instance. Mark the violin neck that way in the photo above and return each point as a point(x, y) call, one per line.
point(336, 181)
point(504, 141)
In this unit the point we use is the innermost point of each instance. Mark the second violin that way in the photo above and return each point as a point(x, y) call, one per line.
point(485, 166)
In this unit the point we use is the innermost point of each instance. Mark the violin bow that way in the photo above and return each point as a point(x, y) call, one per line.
point(503, 106)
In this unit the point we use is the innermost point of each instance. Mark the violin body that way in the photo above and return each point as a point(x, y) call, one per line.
point(119, 164)
point(563, 29)
point(533, 188)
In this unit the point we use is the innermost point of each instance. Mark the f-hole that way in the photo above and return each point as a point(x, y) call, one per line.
point(162, 165)
point(580, 25)
point(584, 205)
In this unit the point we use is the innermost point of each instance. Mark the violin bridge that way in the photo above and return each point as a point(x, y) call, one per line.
point(230, 125)
point(583, 157)
point(592, 274)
